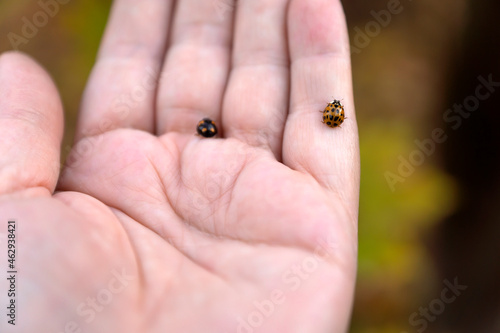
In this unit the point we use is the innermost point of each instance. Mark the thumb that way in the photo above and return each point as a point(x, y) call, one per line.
point(31, 125)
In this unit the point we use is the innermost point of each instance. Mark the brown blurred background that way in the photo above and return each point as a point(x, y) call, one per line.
point(430, 186)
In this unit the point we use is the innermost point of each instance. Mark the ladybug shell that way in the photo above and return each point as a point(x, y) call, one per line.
point(334, 115)
point(206, 128)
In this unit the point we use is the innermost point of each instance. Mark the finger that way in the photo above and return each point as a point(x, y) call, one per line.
point(31, 124)
point(321, 71)
point(256, 101)
point(196, 66)
point(122, 87)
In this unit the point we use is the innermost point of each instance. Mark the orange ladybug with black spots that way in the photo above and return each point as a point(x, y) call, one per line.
point(334, 114)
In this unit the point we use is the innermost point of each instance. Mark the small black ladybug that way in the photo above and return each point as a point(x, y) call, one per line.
point(206, 128)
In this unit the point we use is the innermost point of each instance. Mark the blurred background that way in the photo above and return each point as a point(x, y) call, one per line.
point(425, 76)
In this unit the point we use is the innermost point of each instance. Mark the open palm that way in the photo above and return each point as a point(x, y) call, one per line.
point(154, 229)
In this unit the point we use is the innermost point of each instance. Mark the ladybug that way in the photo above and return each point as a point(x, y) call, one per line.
point(206, 128)
point(333, 114)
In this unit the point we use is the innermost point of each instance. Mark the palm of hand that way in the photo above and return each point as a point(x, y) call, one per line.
point(228, 229)
point(183, 234)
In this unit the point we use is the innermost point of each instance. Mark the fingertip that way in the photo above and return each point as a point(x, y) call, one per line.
point(24, 82)
point(8, 55)
point(317, 27)
point(31, 123)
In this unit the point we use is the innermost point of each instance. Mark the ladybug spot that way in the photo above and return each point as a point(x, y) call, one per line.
point(335, 124)
point(331, 117)
point(329, 123)
point(336, 118)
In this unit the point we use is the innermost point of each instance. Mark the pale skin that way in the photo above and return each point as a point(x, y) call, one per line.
point(252, 231)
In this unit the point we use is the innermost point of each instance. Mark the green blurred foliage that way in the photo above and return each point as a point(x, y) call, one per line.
point(395, 274)
point(399, 81)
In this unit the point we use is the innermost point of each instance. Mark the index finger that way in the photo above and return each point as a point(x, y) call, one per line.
point(321, 72)
point(121, 89)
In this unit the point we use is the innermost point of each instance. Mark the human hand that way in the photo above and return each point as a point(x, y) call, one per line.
point(154, 229)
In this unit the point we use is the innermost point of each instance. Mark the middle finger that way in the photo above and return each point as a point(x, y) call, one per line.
point(256, 101)
point(196, 65)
